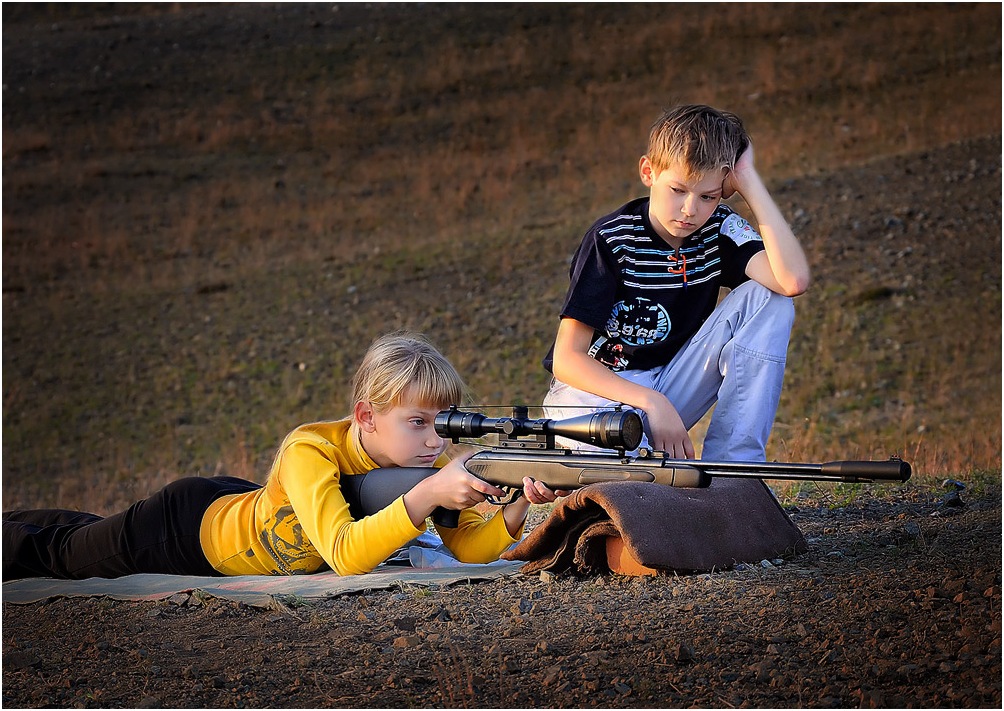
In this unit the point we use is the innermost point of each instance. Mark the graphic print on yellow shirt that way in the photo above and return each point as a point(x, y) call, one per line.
point(282, 536)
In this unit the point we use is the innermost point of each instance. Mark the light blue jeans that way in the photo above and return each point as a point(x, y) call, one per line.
point(736, 359)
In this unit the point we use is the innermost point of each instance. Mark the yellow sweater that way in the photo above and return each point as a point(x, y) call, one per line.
point(299, 521)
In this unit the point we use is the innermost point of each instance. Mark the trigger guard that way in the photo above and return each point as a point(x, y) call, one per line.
point(506, 499)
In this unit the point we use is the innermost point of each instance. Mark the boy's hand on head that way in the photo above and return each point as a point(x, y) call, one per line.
point(737, 178)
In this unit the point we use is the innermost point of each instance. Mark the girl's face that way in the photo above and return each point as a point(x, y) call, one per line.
point(679, 204)
point(403, 436)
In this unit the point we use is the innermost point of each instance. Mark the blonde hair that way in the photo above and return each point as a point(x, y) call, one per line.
point(400, 365)
point(697, 138)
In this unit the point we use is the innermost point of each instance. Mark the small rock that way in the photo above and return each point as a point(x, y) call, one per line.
point(544, 647)
point(684, 653)
point(20, 660)
point(623, 689)
point(952, 499)
point(406, 624)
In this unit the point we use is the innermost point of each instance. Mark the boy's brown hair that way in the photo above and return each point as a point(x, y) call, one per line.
point(698, 138)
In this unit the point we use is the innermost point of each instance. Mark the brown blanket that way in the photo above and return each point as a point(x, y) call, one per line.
point(662, 527)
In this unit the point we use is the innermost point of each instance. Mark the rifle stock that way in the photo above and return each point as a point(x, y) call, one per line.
point(368, 493)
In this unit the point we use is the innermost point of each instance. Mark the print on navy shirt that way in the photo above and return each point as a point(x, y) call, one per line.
point(635, 322)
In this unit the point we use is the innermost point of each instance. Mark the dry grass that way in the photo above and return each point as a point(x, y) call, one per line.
point(191, 214)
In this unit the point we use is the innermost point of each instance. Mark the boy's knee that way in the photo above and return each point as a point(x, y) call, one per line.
point(782, 308)
point(775, 307)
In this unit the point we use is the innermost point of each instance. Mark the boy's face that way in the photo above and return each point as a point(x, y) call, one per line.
point(680, 203)
point(403, 436)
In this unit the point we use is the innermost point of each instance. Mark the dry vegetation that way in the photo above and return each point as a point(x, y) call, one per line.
point(209, 211)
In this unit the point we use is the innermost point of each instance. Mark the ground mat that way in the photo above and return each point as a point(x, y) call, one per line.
point(255, 590)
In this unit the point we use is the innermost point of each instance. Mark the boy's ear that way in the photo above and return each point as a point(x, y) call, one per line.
point(646, 171)
point(363, 415)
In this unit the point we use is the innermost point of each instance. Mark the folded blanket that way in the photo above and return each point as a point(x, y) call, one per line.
point(662, 527)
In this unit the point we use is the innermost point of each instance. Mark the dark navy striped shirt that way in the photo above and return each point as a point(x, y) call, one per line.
point(643, 298)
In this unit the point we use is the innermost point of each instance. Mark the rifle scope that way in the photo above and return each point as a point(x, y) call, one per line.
point(610, 429)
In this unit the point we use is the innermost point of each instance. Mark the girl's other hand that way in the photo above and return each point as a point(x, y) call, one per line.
point(537, 492)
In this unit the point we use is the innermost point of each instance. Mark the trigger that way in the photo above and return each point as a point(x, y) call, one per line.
point(505, 499)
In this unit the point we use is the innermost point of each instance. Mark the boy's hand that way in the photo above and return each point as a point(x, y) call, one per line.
point(668, 431)
point(744, 170)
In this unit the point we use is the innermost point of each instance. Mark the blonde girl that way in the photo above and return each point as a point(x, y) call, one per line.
point(298, 521)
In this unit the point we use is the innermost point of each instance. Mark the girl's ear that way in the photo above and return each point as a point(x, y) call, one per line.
point(646, 171)
point(363, 415)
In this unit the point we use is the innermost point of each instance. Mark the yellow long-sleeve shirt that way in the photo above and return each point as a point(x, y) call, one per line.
point(299, 521)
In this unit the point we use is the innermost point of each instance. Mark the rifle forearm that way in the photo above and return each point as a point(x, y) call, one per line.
point(567, 469)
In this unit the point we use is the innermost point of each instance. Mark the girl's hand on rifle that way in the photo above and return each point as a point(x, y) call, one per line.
point(534, 492)
point(452, 487)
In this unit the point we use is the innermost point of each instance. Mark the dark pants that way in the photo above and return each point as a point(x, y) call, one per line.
point(159, 534)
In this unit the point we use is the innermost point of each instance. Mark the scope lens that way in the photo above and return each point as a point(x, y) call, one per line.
point(616, 429)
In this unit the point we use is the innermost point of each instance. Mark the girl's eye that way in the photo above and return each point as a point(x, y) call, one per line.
point(678, 191)
point(707, 198)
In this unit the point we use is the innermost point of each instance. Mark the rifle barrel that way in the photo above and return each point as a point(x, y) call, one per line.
point(842, 471)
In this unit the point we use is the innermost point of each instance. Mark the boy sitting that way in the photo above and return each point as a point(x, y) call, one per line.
point(640, 325)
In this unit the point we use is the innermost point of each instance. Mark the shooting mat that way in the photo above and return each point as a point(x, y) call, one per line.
point(662, 527)
point(416, 565)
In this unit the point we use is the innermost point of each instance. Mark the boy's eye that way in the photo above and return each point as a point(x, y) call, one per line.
point(708, 198)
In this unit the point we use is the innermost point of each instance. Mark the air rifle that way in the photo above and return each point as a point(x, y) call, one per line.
point(526, 447)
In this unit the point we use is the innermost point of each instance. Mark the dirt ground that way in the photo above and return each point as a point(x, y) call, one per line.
point(896, 604)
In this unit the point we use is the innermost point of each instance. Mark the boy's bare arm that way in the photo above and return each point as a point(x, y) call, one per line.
point(782, 267)
point(574, 366)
